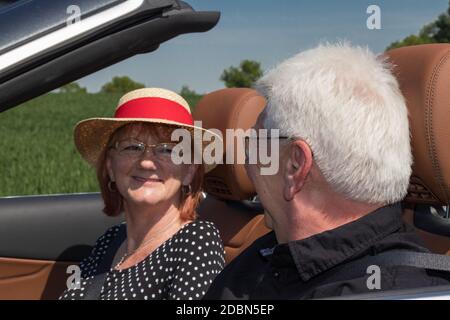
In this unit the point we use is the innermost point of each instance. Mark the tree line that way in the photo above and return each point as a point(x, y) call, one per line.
point(437, 31)
point(243, 76)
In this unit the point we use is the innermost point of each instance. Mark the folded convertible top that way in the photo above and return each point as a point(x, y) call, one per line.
point(45, 44)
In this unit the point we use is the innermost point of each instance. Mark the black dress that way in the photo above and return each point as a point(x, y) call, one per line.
point(183, 267)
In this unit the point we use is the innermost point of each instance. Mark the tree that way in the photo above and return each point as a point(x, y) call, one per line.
point(437, 31)
point(72, 87)
point(410, 41)
point(442, 33)
point(121, 85)
point(190, 96)
point(242, 77)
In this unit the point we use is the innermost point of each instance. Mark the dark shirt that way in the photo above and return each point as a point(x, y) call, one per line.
point(306, 268)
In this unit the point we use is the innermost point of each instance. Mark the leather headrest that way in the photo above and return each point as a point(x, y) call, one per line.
point(234, 108)
point(423, 73)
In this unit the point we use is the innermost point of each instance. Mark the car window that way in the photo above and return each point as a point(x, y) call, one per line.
point(38, 154)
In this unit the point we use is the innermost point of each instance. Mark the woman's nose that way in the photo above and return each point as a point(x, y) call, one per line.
point(147, 160)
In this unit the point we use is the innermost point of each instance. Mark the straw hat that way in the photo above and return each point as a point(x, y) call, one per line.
point(149, 105)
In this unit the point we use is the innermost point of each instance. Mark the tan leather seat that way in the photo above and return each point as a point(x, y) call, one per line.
point(423, 73)
point(424, 76)
point(228, 185)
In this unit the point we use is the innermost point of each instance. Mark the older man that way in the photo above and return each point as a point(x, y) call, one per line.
point(334, 203)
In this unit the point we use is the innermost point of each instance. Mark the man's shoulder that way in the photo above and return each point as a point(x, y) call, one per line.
point(259, 248)
point(385, 279)
point(239, 277)
point(376, 273)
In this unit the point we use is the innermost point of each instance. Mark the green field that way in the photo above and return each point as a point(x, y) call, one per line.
point(37, 154)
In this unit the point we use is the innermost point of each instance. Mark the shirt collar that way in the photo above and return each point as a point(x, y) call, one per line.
point(325, 250)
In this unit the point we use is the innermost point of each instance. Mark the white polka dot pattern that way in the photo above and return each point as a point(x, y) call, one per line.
point(182, 268)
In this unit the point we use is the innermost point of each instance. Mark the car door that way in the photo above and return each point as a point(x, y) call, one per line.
point(45, 44)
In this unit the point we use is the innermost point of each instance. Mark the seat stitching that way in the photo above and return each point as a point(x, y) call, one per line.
point(430, 98)
point(236, 113)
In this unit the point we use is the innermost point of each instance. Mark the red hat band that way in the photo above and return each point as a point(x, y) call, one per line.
point(155, 108)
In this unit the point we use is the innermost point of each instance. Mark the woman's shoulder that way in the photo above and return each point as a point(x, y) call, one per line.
point(111, 232)
point(89, 264)
point(199, 232)
point(105, 239)
point(201, 228)
point(199, 241)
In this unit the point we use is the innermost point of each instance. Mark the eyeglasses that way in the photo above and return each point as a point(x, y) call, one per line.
point(134, 149)
point(251, 148)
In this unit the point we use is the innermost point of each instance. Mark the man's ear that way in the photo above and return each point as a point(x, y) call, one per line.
point(297, 167)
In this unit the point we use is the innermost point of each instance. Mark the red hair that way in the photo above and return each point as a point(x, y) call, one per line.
point(112, 199)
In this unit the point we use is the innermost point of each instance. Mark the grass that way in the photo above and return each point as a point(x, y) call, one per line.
point(37, 153)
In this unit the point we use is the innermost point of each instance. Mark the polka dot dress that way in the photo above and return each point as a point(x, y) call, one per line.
point(182, 268)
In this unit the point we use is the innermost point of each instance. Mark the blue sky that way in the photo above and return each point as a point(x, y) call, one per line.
point(267, 31)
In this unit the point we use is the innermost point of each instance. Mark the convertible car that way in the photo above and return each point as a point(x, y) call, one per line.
point(40, 236)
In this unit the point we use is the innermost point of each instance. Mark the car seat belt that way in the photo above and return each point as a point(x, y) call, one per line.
point(95, 288)
point(394, 258)
point(423, 260)
point(358, 268)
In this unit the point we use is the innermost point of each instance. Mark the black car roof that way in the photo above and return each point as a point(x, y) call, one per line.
point(51, 53)
point(27, 20)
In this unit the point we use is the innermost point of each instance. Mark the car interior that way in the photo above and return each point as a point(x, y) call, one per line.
point(40, 236)
point(424, 76)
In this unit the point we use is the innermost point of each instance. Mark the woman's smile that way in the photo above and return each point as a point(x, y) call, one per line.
point(147, 181)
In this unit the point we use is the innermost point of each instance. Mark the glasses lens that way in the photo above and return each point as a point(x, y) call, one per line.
point(163, 150)
point(131, 147)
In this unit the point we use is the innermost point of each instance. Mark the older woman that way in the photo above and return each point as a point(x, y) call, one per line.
point(161, 251)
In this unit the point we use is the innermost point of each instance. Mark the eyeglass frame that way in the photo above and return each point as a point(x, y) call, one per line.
point(146, 148)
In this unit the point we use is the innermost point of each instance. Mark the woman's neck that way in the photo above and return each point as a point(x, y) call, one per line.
point(147, 223)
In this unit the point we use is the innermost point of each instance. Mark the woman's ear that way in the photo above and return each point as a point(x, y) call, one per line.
point(297, 167)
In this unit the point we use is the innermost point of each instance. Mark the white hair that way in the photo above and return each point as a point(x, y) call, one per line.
point(346, 104)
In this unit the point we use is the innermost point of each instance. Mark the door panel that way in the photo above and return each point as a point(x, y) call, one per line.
point(55, 228)
point(41, 235)
point(32, 279)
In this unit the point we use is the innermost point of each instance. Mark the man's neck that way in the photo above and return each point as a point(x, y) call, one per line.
point(307, 219)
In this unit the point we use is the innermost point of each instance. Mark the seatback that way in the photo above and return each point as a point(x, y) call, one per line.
point(423, 73)
point(228, 187)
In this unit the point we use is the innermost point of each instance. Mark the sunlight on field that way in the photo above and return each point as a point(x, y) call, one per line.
point(37, 154)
